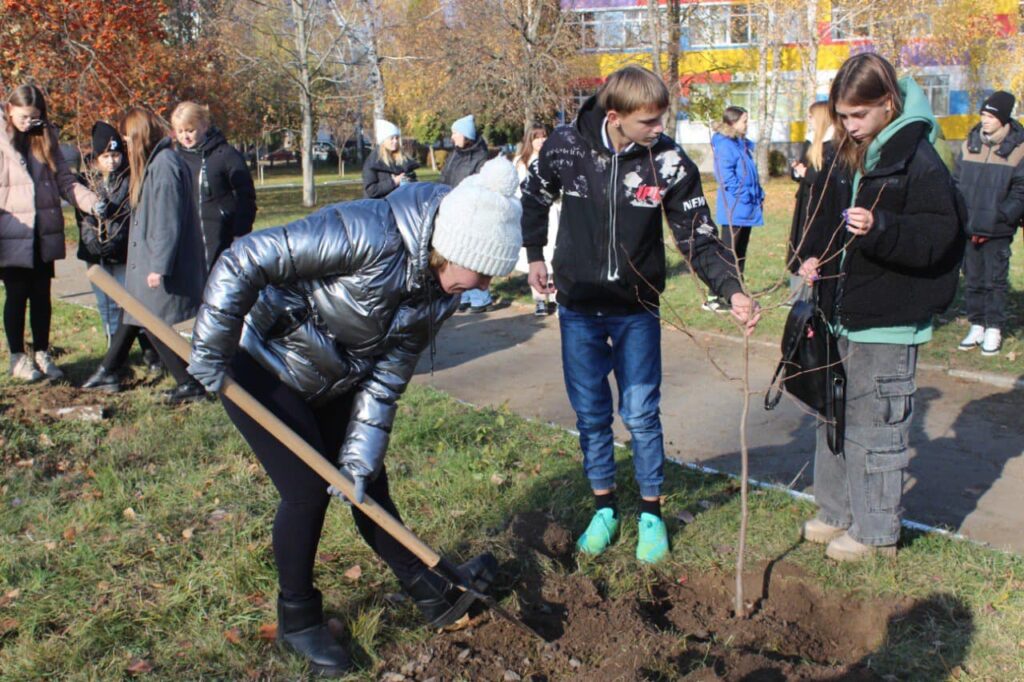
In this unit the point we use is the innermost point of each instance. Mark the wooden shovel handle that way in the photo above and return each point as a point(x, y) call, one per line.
point(267, 419)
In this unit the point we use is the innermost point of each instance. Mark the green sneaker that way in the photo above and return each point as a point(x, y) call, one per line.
point(652, 546)
point(600, 533)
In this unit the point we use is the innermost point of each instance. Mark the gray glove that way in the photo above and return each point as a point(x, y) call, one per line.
point(358, 477)
point(212, 378)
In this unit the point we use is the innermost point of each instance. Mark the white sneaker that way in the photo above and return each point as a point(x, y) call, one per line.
point(973, 338)
point(45, 363)
point(992, 342)
point(23, 368)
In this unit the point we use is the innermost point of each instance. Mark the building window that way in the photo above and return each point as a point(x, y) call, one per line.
point(851, 21)
point(722, 25)
point(936, 89)
point(615, 30)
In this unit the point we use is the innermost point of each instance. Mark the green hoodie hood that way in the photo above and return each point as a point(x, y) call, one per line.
point(916, 109)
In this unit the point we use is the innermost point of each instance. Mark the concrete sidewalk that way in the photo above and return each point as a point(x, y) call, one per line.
point(967, 466)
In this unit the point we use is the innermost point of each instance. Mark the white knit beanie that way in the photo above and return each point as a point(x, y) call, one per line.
point(477, 224)
point(384, 130)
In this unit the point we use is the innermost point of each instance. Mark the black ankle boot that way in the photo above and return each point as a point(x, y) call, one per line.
point(440, 601)
point(103, 380)
point(187, 392)
point(301, 628)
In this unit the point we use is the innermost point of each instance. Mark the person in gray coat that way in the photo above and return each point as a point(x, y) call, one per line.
point(323, 321)
point(166, 267)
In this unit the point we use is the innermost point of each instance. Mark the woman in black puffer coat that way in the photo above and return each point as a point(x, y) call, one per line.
point(387, 168)
point(224, 191)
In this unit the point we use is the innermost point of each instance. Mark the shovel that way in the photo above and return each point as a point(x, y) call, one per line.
point(330, 473)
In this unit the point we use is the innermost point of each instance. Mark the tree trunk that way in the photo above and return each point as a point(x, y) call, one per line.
point(674, 36)
point(299, 16)
point(373, 58)
point(811, 63)
point(654, 33)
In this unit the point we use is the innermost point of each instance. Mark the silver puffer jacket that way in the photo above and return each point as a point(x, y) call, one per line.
point(339, 301)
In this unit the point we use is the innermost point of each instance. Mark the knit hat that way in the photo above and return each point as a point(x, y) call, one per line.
point(1000, 104)
point(105, 138)
point(465, 125)
point(477, 224)
point(385, 129)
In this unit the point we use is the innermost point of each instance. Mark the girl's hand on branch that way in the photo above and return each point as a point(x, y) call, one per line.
point(809, 270)
point(746, 311)
point(859, 221)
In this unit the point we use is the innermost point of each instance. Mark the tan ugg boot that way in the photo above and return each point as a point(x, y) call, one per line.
point(845, 548)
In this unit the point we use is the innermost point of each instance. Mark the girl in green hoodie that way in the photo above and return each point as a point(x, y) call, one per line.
point(883, 254)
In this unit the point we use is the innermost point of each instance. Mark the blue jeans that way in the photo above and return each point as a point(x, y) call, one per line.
point(629, 345)
point(476, 298)
point(110, 312)
point(862, 489)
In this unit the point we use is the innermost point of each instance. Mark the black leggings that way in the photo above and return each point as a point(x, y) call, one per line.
point(31, 288)
point(121, 345)
point(304, 497)
point(737, 238)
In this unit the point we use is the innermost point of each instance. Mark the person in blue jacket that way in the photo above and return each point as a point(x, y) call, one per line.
point(740, 196)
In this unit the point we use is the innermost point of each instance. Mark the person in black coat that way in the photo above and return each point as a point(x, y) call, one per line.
point(468, 156)
point(224, 191)
point(805, 172)
point(103, 240)
point(990, 175)
point(884, 252)
point(387, 168)
point(466, 159)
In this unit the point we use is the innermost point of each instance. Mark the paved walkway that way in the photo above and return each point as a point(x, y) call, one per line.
point(967, 466)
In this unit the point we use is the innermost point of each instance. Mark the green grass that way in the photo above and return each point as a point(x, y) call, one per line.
point(147, 537)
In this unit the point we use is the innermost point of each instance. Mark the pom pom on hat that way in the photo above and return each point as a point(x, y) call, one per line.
point(385, 129)
point(465, 125)
point(477, 224)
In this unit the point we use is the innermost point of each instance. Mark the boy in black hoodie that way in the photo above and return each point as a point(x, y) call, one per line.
point(618, 176)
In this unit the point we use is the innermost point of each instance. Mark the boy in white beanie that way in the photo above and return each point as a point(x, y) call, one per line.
point(328, 338)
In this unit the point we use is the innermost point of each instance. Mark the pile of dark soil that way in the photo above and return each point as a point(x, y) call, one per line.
point(681, 630)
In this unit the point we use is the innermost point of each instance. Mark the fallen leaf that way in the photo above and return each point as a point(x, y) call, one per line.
point(268, 632)
point(216, 516)
point(328, 557)
point(682, 579)
point(129, 513)
point(685, 516)
point(234, 635)
point(139, 666)
point(45, 441)
point(354, 573)
point(1011, 356)
point(8, 625)
point(497, 479)
point(11, 595)
point(187, 533)
point(704, 504)
point(24, 463)
point(69, 534)
point(50, 545)
point(256, 598)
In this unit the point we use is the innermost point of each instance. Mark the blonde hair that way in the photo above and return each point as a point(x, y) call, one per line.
point(43, 147)
point(632, 89)
point(145, 131)
point(863, 80)
point(437, 261)
point(395, 158)
point(189, 114)
point(821, 119)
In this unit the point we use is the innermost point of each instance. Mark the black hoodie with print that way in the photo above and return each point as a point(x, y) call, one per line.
point(609, 253)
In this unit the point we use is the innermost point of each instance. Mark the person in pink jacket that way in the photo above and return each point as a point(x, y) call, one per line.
point(33, 178)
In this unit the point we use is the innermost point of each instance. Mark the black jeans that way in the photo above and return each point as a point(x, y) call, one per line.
point(121, 345)
point(27, 288)
point(986, 281)
point(304, 497)
point(737, 238)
